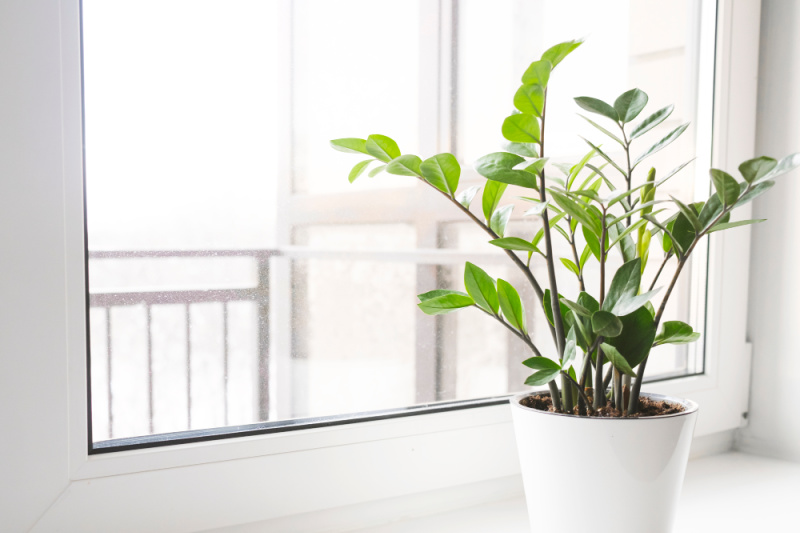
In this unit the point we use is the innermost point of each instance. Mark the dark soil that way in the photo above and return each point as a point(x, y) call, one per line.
point(647, 407)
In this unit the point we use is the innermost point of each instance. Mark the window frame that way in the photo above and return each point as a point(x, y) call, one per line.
point(316, 467)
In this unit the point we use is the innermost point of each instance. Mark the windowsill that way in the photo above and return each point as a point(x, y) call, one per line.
point(727, 492)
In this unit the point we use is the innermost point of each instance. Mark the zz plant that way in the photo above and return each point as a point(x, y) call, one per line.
point(595, 215)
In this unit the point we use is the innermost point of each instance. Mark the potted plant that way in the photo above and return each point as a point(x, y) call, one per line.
point(593, 430)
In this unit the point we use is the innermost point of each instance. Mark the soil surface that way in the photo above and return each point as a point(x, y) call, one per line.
point(647, 407)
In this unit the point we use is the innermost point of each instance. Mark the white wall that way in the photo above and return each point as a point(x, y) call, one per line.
point(774, 309)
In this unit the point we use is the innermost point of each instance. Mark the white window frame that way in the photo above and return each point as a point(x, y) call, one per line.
point(52, 483)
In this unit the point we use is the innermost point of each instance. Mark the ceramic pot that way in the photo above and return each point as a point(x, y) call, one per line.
point(637, 463)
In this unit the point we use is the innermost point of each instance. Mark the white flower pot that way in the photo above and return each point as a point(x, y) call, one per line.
point(616, 475)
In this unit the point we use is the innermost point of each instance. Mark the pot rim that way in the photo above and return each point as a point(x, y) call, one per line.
point(689, 407)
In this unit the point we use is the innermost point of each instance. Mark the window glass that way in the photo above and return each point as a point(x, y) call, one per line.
point(236, 277)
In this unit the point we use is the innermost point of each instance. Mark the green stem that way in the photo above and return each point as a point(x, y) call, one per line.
point(565, 376)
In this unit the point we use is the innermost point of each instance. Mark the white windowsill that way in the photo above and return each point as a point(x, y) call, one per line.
point(729, 492)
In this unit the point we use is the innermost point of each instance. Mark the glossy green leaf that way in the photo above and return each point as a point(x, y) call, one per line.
point(627, 248)
point(625, 284)
point(636, 339)
point(481, 287)
point(499, 220)
point(663, 143)
point(755, 169)
point(629, 304)
point(492, 193)
point(538, 209)
point(523, 149)
point(676, 332)
point(577, 211)
point(350, 145)
point(606, 324)
point(511, 305)
point(466, 196)
point(683, 231)
point(576, 307)
point(359, 169)
point(445, 303)
point(787, 164)
point(592, 241)
point(578, 167)
point(585, 255)
point(673, 172)
point(726, 186)
point(499, 166)
point(377, 170)
point(602, 129)
point(442, 171)
point(597, 106)
point(522, 128)
point(515, 243)
point(438, 292)
point(538, 72)
point(652, 121)
point(570, 265)
point(633, 227)
point(542, 377)
point(610, 161)
point(760, 188)
point(382, 147)
point(629, 104)
point(617, 359)
point(541, 363)
point(529, 98)
point(555, 54)
point(406, 165)
point(728, 225)
point(689, 213)
point(570, 350)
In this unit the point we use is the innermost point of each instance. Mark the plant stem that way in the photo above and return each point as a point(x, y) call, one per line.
point(555, 305)
point(568, 379)
point(629, 176)
point(575, 256)
point(663, 264)
point(618, 390)
point(599, 387)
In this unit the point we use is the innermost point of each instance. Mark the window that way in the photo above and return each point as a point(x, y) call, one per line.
point(45, 340)
point(237, 278)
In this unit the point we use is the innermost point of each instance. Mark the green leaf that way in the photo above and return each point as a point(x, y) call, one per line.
point(585, 255)
point(406, 165)
point(492, 193)
point(607, 158)
point(481, 287)
point(683, 231)
point(499, 220)
point(541, 363)
point(576, 307)
point(587, 300)
point(617, 359)
point(676, 332)
point(638, 332)
point(350, 145)
point(755, 169)
point(442, 171)
point(673, 172)
point(548, 306)
point(726, 186)
point(537, 209)
point(570, 265)
point(576, 169)
point(689, 213)
point(663, 143)
point(629, 304)
point(601, 128)
point(522, 128)
point(523, 149)
point(438, 292)
point(652, 121)
point(511, 305)
point(382, 147)
point(592, 241)
point(723, 225)
point(359, 169)
point(536, 166)
point(606, 324)
point(465, 197)
point(755, 192)
point(538, 72)
point(541, 377)
point(499, 167)
point(626, 246)
point(445, 303)
point(629, 104)
point(515, 243)
point(625, 284)
point(599, 107)
point(788, 163)
point(555, 54)
point(577, 211)
point(646, 206)
point(570, 351)
point(633, 227)
point(530, 99)
point(377, 170)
